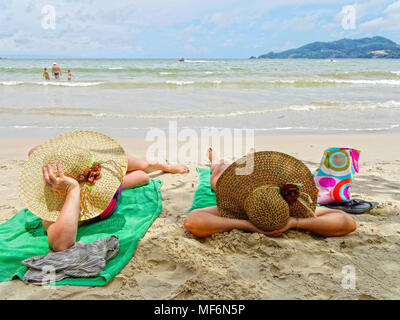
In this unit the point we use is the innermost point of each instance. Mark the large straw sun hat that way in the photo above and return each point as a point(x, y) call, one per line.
point(78, 152)
point(266, 187)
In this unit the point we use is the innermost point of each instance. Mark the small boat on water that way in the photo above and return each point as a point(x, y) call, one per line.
point(181, 60)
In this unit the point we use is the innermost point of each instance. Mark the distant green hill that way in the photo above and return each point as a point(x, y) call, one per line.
point(375, 47)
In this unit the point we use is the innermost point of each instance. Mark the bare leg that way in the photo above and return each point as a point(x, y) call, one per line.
point(150, 166)
point(32, 150)
point(218, 166)
point(216, 173)
point(212, 156)
point(138, 169)
point(134, 179)
point(136, 175)
point(146, 165)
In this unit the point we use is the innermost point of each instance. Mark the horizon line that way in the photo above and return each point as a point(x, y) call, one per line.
point(118, 58)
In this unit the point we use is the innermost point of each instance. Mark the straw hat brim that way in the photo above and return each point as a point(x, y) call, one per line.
point(42, 202)
point(258, 169)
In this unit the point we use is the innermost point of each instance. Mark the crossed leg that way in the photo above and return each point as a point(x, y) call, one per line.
point(218, 166)
point(138, 169)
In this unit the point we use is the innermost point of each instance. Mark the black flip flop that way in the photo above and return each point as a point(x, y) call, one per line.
point(353, 206)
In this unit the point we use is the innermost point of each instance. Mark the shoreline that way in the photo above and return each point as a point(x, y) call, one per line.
point(374, 147)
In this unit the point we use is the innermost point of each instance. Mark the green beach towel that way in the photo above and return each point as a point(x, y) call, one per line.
point(204, 196)
point(23, 236)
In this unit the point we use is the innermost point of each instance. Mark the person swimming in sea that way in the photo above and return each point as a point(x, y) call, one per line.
point(46, 74)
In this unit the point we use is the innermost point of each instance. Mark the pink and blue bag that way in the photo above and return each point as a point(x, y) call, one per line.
point(334, 176)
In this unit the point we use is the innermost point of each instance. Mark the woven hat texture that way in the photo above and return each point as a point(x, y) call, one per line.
point(238, 185)
point(75, 151)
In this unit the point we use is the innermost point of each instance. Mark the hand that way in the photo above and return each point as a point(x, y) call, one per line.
point(60, 185)
point(291, 223)
point(251, 227)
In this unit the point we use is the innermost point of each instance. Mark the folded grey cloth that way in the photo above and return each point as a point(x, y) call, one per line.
point(83, 260)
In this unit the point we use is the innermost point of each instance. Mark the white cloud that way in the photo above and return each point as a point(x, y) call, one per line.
point(224, 19)
point(196, 51)
point(301, 24)
point(360, 10)
point(269, 24)
point(393, 9)
point(389, 22)
point(187, 32)
point(134, 27)
point(287, 45)
point(229, 43)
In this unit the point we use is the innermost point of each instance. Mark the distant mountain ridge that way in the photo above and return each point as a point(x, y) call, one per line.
point(375, 47)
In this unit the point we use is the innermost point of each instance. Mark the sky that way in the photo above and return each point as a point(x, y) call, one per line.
point(185, 28)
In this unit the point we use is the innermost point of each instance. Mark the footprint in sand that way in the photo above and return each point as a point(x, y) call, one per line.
point(5, 206)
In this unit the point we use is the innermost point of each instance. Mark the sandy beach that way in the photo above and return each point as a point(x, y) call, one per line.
point(170, 263)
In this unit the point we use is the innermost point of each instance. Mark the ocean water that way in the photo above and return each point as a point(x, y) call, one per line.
point(129, 97)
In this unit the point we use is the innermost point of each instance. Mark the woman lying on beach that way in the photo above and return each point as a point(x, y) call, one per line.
point(61, 209)
point(138, 169)
point(244, 200)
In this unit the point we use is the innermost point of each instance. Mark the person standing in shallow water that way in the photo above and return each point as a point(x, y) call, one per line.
point(46, 74)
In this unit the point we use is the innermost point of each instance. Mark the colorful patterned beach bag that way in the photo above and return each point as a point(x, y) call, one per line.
point(335, 174)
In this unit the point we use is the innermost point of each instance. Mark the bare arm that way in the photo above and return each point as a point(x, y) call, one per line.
point(332, 224)
point(207, 221)
point(62, 233)
point(327, 222)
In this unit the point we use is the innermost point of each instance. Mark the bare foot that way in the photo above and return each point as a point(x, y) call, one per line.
point(212, 156)
point(176, 168)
